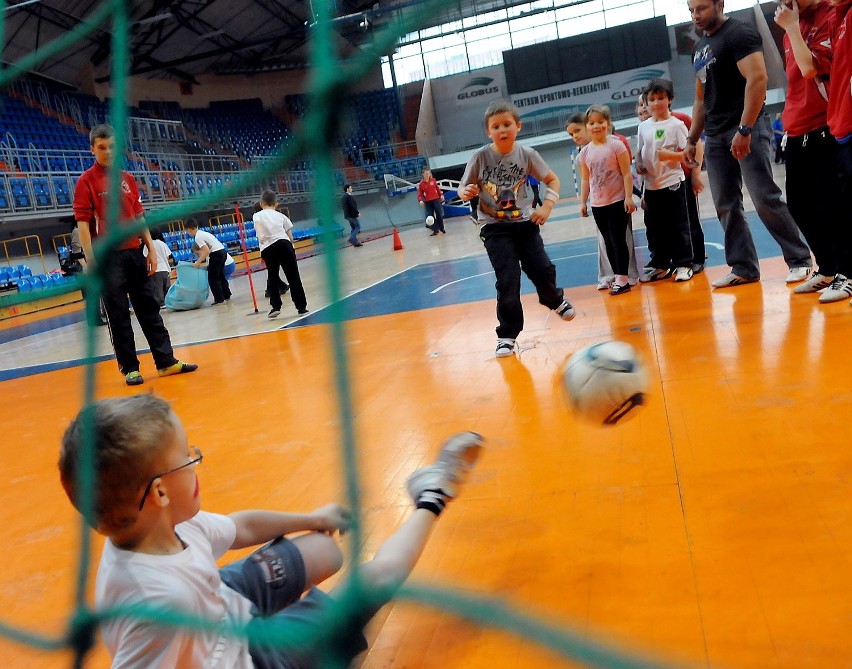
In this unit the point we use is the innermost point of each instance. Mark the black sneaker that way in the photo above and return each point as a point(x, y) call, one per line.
point(619, 288)
point(654, 274)
point(303, 311)
point(273, 313)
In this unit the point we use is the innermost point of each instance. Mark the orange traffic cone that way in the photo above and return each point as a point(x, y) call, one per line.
point(397, 242)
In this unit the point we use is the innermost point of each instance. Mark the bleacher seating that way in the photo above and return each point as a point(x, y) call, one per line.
point(43, 153)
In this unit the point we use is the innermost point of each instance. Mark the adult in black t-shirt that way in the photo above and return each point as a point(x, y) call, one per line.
point(730, 87)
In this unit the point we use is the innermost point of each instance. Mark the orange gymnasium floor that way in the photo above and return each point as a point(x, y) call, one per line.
point(712, 530)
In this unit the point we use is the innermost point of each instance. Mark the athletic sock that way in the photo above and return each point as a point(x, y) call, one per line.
point(432, 500)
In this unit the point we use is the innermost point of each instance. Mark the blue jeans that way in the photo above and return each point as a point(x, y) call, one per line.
point(726, 175)
point(356, 230)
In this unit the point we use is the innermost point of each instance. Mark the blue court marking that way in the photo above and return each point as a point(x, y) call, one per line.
point(40, 326)
point(443, 283)
point(471, 279)
point(18, 372)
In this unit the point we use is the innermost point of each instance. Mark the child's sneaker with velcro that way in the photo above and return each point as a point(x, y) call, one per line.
point(432, 487)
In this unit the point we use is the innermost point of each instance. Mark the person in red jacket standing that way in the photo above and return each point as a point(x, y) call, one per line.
point(431, 197)
point(125, 269)
point(811, 152)
point(840, 126)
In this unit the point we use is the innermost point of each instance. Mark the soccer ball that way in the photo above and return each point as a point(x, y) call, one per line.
point(430, 221)
point(605, 382)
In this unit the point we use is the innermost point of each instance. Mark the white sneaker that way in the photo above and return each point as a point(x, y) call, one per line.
point(445, 477)
point(683, 274)
point(816, 283)
point(604, 284)
point(505, 347)
point(797, 274)
point(732, 279)
point(840, 289)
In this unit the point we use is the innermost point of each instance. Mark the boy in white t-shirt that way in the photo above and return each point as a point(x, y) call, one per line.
point(161, 549)
point(275, 236)
point(212, 250)
point(661, 140)
point(161, 279)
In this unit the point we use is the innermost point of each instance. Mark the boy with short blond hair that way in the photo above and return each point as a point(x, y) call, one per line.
point(509, 225)
point(161, 549)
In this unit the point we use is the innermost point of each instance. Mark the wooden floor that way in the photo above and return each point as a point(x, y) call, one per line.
point(712, 530)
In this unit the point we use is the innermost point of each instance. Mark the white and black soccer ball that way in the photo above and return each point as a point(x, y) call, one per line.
point(605, 382)
point(430, 221)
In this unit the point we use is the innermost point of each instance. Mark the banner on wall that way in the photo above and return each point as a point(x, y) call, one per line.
point(623, 86)
point(477, 87)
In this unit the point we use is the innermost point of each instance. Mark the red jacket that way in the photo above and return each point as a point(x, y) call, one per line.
point(806, 107)
point(429, 190)
point(90, 197)
point(840, 96)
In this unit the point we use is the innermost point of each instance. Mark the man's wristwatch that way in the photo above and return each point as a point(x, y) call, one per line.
point(744, 130)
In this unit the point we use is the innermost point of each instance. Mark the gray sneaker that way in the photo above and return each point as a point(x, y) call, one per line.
point(732, 280)
point(816, 283)
point(797, 274)
point(457, 458)
point(840, 289)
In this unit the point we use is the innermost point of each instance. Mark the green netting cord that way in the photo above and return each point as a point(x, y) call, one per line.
point(330, 82)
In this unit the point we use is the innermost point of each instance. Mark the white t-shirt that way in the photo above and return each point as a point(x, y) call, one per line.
point(202, 238)
point(271, 226)
point(651, 137)
point(163, 253)
point(187, 582)
point(606, 184)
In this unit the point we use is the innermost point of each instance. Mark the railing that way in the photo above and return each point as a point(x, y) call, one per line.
point(26, 244)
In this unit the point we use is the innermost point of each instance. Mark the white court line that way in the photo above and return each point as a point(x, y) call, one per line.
point(474, 276)
point(348, 295)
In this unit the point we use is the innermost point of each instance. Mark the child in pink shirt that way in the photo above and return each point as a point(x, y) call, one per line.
point(608, 186)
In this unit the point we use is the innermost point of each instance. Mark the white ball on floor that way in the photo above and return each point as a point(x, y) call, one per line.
point(430, 220)
point(605, 382)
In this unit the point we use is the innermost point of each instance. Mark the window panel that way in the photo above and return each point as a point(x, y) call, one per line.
point(488, 32)
point(481, 19)
point(630, 13)
point(581, 25)
point(484, 53)
point(584, 9)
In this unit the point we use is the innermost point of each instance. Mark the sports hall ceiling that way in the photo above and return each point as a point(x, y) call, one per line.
point(182, 39)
